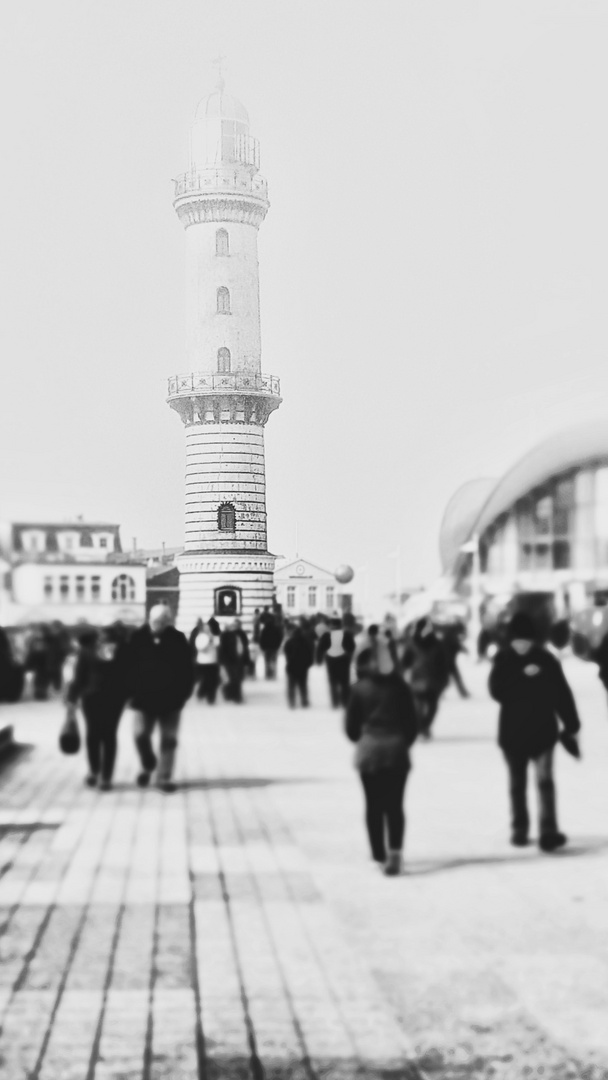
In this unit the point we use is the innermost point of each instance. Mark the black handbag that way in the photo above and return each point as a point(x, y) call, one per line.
point(69, 736)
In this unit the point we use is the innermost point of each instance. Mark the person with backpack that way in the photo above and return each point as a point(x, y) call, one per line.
point(381, 719)
point(535, 698)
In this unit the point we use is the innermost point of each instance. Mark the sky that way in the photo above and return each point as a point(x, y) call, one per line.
point(433, 267)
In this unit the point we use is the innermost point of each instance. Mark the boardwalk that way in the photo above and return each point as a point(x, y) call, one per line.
point(237, 928)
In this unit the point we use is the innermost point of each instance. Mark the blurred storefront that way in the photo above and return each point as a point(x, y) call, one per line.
point(73, 572)
point(541, 528)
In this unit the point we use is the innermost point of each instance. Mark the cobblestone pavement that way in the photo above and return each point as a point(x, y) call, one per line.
point(237, 928)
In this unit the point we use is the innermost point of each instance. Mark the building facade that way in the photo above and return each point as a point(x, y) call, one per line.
point(74, 572)
point(542, 527)
point(302, 588)
point(224, 400)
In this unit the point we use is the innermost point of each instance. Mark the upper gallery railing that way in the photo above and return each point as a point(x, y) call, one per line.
point(240, 381)
point(199, 182)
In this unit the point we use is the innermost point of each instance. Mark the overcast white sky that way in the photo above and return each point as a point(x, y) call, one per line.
point(433, 266)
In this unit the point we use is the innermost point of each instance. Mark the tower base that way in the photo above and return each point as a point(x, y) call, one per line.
point(209, 585)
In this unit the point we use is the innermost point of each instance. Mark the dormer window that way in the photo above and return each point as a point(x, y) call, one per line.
point(226, 518)
point(223, 360)
point(222, 243)
point(223, 301)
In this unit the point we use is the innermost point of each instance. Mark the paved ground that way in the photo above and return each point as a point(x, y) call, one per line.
point(238, 928)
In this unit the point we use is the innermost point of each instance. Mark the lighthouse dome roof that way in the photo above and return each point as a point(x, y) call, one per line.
point(221, 106)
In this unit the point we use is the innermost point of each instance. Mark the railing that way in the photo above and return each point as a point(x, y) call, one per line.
point(207, 181)
point(240, 381)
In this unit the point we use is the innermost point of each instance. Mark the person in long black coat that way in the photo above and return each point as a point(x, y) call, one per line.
point(100, 685)
point(535, 697)
point(299, 658)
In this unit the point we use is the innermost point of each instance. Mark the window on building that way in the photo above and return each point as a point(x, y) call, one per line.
point(48, 588)
point(86, 540)
point(95, 587)
point(80, 587)
point(223, 300)
point(32, 542)
point(543, 516)
point(329, 597)
point(312, 596)
point(291, 596)
point(51, 541)
point(64, 587)
point(123, 588)
point(222, 244)
point(223, 360)
point(103, 541)
point(561, 555)
point(226, 518)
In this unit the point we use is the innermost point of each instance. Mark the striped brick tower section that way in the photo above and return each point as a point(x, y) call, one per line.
point(225, 400)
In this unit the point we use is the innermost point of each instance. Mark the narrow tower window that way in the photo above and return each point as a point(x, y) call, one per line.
point(222, 244)
point(223, 300)
point(226, 518)
point(223, 360)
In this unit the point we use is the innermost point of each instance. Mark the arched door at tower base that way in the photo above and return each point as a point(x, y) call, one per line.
point(227, 601)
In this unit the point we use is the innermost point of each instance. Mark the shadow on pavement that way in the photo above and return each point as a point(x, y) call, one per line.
point(224, 783)
point(582, 846)
point(13, 754)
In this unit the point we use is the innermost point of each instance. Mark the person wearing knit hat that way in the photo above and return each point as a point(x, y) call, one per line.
point(535, 700)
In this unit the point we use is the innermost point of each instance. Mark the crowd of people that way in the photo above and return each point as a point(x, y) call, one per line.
point(389, 685)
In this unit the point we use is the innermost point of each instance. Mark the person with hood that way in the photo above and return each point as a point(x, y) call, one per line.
point(381, 720)
point(299, 657)
point(160, 675)
point(427, 672)
point(99, 685)
point(529, 683)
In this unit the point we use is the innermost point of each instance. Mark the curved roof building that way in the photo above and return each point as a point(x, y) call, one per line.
point(541, 526)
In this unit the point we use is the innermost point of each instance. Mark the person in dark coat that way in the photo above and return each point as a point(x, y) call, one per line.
point(38, 661)
point(160, 674)
point(271, 636)
point(336, 647)
point(99, 684)
point(534, 697)
point(427, 672)
point(234, 658)
point(381, 720)
point(299, 657)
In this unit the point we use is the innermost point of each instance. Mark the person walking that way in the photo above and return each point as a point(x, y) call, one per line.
point(160, 674)
point(99, 685)
point(271, 636)
point(427, 672)
point(381, 720)
point(234, 658)
point(205, 646)
point(529, 683)
point(299, 657)
point(336, 647)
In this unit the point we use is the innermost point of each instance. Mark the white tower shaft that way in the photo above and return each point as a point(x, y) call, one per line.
point(225, 400)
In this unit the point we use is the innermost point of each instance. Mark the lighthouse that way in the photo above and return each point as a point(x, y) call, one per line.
point(223, 398)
